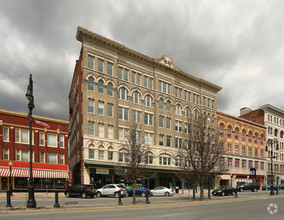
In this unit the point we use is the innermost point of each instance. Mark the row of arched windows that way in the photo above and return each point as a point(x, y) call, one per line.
point(275, 133)
point(235, 134)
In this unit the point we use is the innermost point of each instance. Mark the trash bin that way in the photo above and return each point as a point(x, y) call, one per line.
point(177, 189)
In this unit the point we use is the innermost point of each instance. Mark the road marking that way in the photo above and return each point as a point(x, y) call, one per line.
point(162, 216)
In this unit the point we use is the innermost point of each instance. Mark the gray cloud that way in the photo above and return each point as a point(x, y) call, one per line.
point(235, 44)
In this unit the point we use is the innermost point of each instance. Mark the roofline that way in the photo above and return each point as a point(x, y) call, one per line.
point(84, 33)
point(23, 115)
point(240, 119)
point(268, 106)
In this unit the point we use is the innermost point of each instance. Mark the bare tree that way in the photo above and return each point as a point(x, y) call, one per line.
point(200, 153)
point(135, 158)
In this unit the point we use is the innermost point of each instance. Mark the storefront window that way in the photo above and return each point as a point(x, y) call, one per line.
point(21, 182)
point(48, 183)
point(60, 183)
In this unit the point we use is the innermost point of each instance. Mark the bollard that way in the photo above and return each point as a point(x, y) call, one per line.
point(147, 198)
point(194, 194)
point(236, 193)
point(8, 195)
point(56, 204)
point(119, 198)
point(209, 193)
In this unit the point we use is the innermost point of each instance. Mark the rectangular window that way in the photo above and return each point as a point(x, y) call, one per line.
point(149, 159)
point(41, 139)
point(237, 163)
point(91, 128)
point(168, 141)
point(110, 155)
point(244, 163)
point(161, 140)
point(6, 134)
point(123, 113)
point(133, 77)
point(101, 130)
point(243, 150)
point(178, 125)
point(178, 142)
point(164, 87)
point(6, 154)
point(101, 66)
point(109, 68)
point(168, 123)
point(18, 155)
point(61, 141)
point(52, 140)
point(91, 154)
point(90, 62)
point(148, 138)
point(204, 100)
point(120, 72)
point(197, 99)
point(138, 79)
point(250, 164)
point(262, 165)
point(101, 155)
point(101, 108)
point(110, 132)
point(61, 159)
point(230, 162)
point(136, 116)
point(122, 134)
point(109, 109)
point(193, 98)
point(25, 155)
point(148, 119)
point(229, 148)
point(42, 157)
point(236, 149)
point(213, 104)
point(51, 158)
point(91, 105)
point(145, 81)
point(161, 121)
point(126, 75)
point(256, 165)
point(150, 83)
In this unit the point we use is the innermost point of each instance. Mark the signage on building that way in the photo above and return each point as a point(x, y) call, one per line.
point(102, 171)
point(44, 166)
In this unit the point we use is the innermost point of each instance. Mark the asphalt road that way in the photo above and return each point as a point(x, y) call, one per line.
point(47, 200)
point(223, 209)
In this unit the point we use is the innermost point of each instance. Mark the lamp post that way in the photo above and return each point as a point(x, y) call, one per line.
point(10, 177)
point(272, 143)
point(9, 192)
point(31, 203)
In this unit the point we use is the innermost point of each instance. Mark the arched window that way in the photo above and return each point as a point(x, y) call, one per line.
point(196, 114)
point(236, 133)
point(109, 89)
point(229, 131)
point(178, 109)
point(276, 132)
point(243, 135)
point(148, 101)
point(161, 104)
point(136, 98)
point(255, 138)
point(168, 106)
point(91, 84)
point(281, 134)
point(249, 136)
point(123, 94)
point(221, 130)
point(261, 139)
point(187, 112)
point(101, 87)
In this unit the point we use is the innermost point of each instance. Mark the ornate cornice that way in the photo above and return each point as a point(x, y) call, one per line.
point(162, 62)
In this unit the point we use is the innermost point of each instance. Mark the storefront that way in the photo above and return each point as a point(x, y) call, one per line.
point(46, 176)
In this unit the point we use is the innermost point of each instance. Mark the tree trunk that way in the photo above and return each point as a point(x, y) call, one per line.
point(201, 193)
point(134, 193)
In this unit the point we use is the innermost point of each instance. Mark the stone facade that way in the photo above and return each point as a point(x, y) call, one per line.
point(112, 86)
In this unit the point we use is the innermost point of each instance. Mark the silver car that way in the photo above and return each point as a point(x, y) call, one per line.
point(112, 190)
point(162, 191)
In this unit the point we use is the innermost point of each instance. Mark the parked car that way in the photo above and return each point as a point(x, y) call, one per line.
point(249, 186)
point(223, 191)
point(162, 191)
point(275, 187)
point(82, 190)
point(282, 186)
point(112, 190)
point(140, 191)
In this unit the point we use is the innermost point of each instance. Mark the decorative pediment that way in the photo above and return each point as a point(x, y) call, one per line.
point(168, 61)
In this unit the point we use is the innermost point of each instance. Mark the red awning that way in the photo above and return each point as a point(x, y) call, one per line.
point(18, 172)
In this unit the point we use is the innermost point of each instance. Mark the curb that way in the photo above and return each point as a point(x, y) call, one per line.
point(131, 206)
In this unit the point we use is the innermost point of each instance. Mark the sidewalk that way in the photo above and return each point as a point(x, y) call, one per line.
point(37, 194)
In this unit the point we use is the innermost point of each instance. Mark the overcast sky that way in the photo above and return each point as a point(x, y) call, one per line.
point(238, 45)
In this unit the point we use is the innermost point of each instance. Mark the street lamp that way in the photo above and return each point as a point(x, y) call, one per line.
point(9, 192)
point(272, 143)
point(10, 177)
point(31, 203)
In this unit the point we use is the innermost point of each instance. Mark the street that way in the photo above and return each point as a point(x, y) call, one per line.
point(257, 208)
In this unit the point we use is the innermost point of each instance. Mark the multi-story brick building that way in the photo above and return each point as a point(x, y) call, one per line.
point(114, 86)
point(273, 119)
point(50, 151)
point(244, 145)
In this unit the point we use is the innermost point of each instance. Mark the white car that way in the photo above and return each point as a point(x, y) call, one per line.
point(162, 191)
point(112, 190)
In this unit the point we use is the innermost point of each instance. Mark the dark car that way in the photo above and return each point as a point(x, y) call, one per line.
point(140, 191)
point(81, 190)
point(225, 190)
point(249, 186)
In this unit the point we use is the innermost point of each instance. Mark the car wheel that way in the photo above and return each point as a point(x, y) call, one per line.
point(233, 193)
point(84, 195)
point(67, 194)
point(116, 195)
point(242, 190)
point(254, 189)
point(167, 194)
point(143, 194)
point(223, 193)
point(99, 194)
